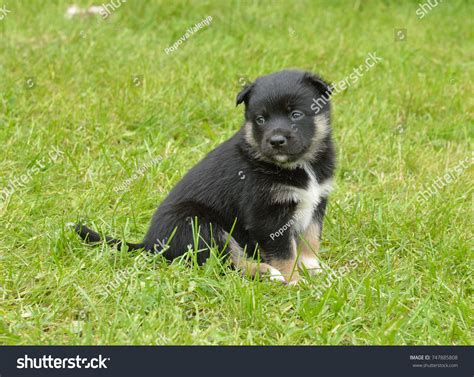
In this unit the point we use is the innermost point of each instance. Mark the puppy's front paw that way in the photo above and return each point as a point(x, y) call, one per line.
point(295, 281)
point(276, 275)
point(311, 264)
point(314, 271)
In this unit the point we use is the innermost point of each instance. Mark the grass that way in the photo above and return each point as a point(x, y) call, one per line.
point(106, 94)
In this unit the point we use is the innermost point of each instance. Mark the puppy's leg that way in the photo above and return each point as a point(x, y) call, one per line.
point(287, 263)
point(308, 246)
point(251, 268)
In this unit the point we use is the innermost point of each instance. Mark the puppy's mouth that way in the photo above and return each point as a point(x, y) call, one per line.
point(284, 157)
point(281, 157)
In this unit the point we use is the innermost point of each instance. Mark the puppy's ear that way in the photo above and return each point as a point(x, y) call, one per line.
point(244, 94)
point(322, 86)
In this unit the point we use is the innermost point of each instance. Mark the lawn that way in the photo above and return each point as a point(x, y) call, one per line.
point(98, 122)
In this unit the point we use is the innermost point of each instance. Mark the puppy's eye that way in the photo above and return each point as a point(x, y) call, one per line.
point(296, 115)
point(260, 120)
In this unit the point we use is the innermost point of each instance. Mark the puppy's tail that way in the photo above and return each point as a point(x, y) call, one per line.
point(91, 236)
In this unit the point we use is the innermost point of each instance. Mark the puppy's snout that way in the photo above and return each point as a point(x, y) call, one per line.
point(278, 141)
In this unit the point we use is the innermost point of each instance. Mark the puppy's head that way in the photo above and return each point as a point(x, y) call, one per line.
point(283, 124)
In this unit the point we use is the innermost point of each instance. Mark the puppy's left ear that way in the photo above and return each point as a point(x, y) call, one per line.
point(322, 86)
point(244, 94)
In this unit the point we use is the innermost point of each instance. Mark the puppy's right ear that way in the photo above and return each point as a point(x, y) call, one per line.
point(322, 86)
point(244, 94)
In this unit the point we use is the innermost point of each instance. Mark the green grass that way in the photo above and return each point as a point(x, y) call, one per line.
point(405, 123)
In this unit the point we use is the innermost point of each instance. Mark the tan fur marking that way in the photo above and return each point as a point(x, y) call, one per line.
point(321, 125)
point(249, 135)
point(251, 268)
point(288, 267)
point(308, 247)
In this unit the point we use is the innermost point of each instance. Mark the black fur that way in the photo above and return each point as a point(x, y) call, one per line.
point(231, 187)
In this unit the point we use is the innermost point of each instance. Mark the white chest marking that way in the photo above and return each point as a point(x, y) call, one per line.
point(307, 199)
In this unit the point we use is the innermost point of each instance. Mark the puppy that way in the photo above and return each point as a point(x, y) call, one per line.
point(264, 190)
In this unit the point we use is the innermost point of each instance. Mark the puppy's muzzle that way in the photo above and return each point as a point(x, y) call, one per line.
point(278, 141)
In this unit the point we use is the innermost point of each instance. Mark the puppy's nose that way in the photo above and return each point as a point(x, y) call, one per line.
point(278, 141)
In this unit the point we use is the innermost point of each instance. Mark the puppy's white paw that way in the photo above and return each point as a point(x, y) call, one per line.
point(315, 270)
point(276, 275)
point(311, 264)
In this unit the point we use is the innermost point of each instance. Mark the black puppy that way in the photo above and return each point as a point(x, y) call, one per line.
point(268, 184)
